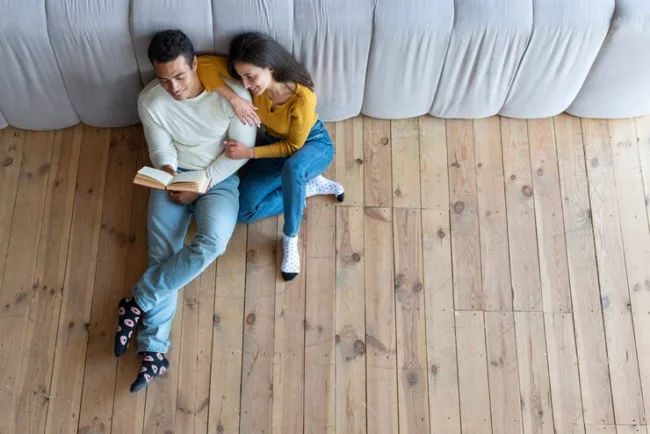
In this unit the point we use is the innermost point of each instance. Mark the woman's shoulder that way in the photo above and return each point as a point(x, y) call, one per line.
point(305, 97)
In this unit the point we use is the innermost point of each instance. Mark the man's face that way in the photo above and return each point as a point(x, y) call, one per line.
point(177, 77)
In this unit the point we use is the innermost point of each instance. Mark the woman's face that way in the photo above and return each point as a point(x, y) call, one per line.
point(254, 78)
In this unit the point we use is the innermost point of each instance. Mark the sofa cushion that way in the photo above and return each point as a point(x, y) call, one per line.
point(565, 41)
point(618, 85)
point(92, 43)
point(487, 43)
point(33, 95)
point(409, 45)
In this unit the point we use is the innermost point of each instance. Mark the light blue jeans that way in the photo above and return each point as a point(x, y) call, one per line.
point(173, 265)
point(272, 186)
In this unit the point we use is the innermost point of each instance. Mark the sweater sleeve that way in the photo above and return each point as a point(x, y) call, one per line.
point(223, 167)
point(303, 117)
point(162, 151)
point(212, 70)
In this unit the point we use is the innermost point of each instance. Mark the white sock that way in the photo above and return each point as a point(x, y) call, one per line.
point(291, 259)
point(321, 185)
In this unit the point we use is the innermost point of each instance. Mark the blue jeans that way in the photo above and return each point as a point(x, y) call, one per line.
point(173, 265)
point(276, 185)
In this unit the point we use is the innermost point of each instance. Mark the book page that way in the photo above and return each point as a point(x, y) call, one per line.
point(158, 175)
point(194, 176)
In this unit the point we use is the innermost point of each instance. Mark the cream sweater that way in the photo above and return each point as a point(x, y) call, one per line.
point(189, 134)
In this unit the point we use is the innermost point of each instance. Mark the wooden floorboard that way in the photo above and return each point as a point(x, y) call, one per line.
point(49, 276)
point(320, 321)
point(75, 319)
point(615, 295)
point(18, 287)
point(585, 294)
point(128, 408)
point(486, 276)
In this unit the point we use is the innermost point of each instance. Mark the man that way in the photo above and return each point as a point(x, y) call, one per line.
point(185, 128)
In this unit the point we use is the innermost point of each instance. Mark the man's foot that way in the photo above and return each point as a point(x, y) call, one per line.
point(323, 186)
point(129, 315)
point(291, 260)
point(153, 365)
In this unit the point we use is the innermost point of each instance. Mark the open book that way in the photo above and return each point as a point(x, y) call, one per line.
point(193, 181)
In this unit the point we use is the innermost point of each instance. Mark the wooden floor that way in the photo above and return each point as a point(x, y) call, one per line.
point(488, 276)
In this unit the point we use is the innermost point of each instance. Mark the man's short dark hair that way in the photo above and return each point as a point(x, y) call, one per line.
point(168, 45)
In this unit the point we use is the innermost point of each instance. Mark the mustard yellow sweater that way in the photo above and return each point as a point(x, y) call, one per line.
point(290, 122)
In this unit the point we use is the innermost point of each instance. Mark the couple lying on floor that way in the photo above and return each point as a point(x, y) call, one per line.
point(198, 114)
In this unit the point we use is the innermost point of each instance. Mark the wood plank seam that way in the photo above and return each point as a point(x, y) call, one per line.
point(573, 319)
point(627, 262)
point(65, 270)
point(592, 191)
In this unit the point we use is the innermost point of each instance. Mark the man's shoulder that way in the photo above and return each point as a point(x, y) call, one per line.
point(238, 88)
point(152, 94)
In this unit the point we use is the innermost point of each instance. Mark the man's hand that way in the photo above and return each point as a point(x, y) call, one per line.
point(237, 151)
point(180, 197)
point(183, 197)
point(169, 169)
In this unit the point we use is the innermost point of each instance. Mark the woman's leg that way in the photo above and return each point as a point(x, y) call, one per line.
point(321, 186)
point(310, 161)
point(260, 191)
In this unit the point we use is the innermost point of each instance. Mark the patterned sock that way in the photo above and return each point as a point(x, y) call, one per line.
point(323, 186)
point(130, 314)
point(291, 260)
point(153, 365)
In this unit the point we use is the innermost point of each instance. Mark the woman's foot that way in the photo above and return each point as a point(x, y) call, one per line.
point(291, 260)
point(129, 315)
point(323, 186)
point(153, 365)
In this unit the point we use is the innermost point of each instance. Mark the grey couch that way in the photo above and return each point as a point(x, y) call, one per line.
point(69, 61)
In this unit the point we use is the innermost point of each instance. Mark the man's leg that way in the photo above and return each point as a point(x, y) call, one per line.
point(216, 217)
point(167, 225)
point(261, 190)
point(161, 280)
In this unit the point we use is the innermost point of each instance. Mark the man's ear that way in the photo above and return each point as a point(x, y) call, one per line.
point(195, 63)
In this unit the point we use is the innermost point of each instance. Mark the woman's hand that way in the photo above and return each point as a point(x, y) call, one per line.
point(237, 151)
point(245, 111)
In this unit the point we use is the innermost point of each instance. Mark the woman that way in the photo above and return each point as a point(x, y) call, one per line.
point(297, 149)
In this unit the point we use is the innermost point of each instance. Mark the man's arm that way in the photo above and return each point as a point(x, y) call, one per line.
point(223, 167)
point(162, 151)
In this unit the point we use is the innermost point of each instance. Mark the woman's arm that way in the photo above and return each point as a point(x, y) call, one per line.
point(302, 120)
point(212, 70)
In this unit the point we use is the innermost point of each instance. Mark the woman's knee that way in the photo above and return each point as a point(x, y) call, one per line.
point(293, 172)
point(245, 215)
point(247, 206)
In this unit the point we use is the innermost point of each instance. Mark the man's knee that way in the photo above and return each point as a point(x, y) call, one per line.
point(210, 246)
point(158, 255)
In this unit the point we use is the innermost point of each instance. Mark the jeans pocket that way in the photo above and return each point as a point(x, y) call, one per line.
point(318, 135)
